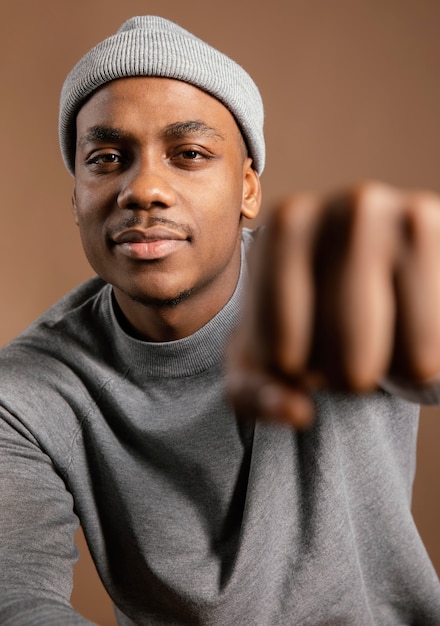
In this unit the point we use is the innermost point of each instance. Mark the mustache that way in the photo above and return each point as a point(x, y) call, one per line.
point(148, 222)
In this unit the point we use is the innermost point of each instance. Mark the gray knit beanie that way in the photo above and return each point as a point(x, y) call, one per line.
point(154, 46)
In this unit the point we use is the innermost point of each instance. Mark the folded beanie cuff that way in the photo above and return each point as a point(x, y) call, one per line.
point(154, 46)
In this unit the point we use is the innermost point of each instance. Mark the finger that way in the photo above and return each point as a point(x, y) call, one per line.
point(255, 395)
point(417, 350)
point(286, 293)
point(355, 323)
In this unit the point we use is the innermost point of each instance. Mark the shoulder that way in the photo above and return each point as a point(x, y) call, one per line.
point(65, 314)
point(44, 371)
point(55, 341)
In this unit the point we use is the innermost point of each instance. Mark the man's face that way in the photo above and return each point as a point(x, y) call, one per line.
point(161, 181)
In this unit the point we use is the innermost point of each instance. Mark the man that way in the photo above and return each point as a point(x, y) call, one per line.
point(114, 407)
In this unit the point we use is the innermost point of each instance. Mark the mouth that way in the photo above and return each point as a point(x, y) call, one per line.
point(151, 244)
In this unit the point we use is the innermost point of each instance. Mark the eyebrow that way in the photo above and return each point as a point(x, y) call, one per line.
point(101, 133)
point(178, 130)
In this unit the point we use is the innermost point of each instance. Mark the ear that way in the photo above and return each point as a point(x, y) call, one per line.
point(251, 201)
point(74, 207)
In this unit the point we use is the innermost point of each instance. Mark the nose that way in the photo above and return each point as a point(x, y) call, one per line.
point(145, 186)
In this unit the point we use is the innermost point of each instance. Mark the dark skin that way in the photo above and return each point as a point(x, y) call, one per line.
point(159, 199)
point(345, 289)
point(354, 293)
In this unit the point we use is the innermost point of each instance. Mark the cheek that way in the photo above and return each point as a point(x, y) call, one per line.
point(224, 199)
point(91, 234)
point(87, 227)
point(90, 211)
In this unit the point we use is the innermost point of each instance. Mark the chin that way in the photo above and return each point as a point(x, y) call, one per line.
point(159, 302)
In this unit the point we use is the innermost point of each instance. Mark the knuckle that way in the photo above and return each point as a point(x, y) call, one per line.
point(371, 200)
point(369, 191)
point(360, 378)
point(422, 216)
point(424, 363)
point(425, 369)
point(293, 213)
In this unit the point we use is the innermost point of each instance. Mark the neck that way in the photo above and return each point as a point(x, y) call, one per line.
point(173, 320)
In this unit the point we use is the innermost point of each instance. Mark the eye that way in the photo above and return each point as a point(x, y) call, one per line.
point(104, 158)
point(106, 161)
point(191, 155)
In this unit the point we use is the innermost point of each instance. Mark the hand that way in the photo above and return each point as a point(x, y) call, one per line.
point(345, 290)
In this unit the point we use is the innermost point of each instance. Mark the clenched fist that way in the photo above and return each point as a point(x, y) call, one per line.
point(345, 292)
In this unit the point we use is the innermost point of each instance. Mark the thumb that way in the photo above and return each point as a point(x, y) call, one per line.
point(256, 395)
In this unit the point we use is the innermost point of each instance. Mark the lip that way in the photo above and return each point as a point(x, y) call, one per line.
point(150, 244)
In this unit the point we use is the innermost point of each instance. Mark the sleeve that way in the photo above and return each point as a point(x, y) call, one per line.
point(423, 393)
point(37, 527)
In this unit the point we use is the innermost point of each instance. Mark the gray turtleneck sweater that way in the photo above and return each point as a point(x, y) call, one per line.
point(191, 517)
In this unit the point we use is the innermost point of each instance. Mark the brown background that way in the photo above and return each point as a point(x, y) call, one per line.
point(352, 91)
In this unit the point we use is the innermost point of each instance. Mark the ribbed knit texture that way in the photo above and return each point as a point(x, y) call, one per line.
point(153, 46)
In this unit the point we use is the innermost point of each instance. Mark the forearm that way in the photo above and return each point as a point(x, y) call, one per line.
point(22, 608)
point(37, 527)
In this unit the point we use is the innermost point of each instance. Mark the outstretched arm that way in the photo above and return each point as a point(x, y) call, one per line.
point(37, 527)
point(345, 294)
